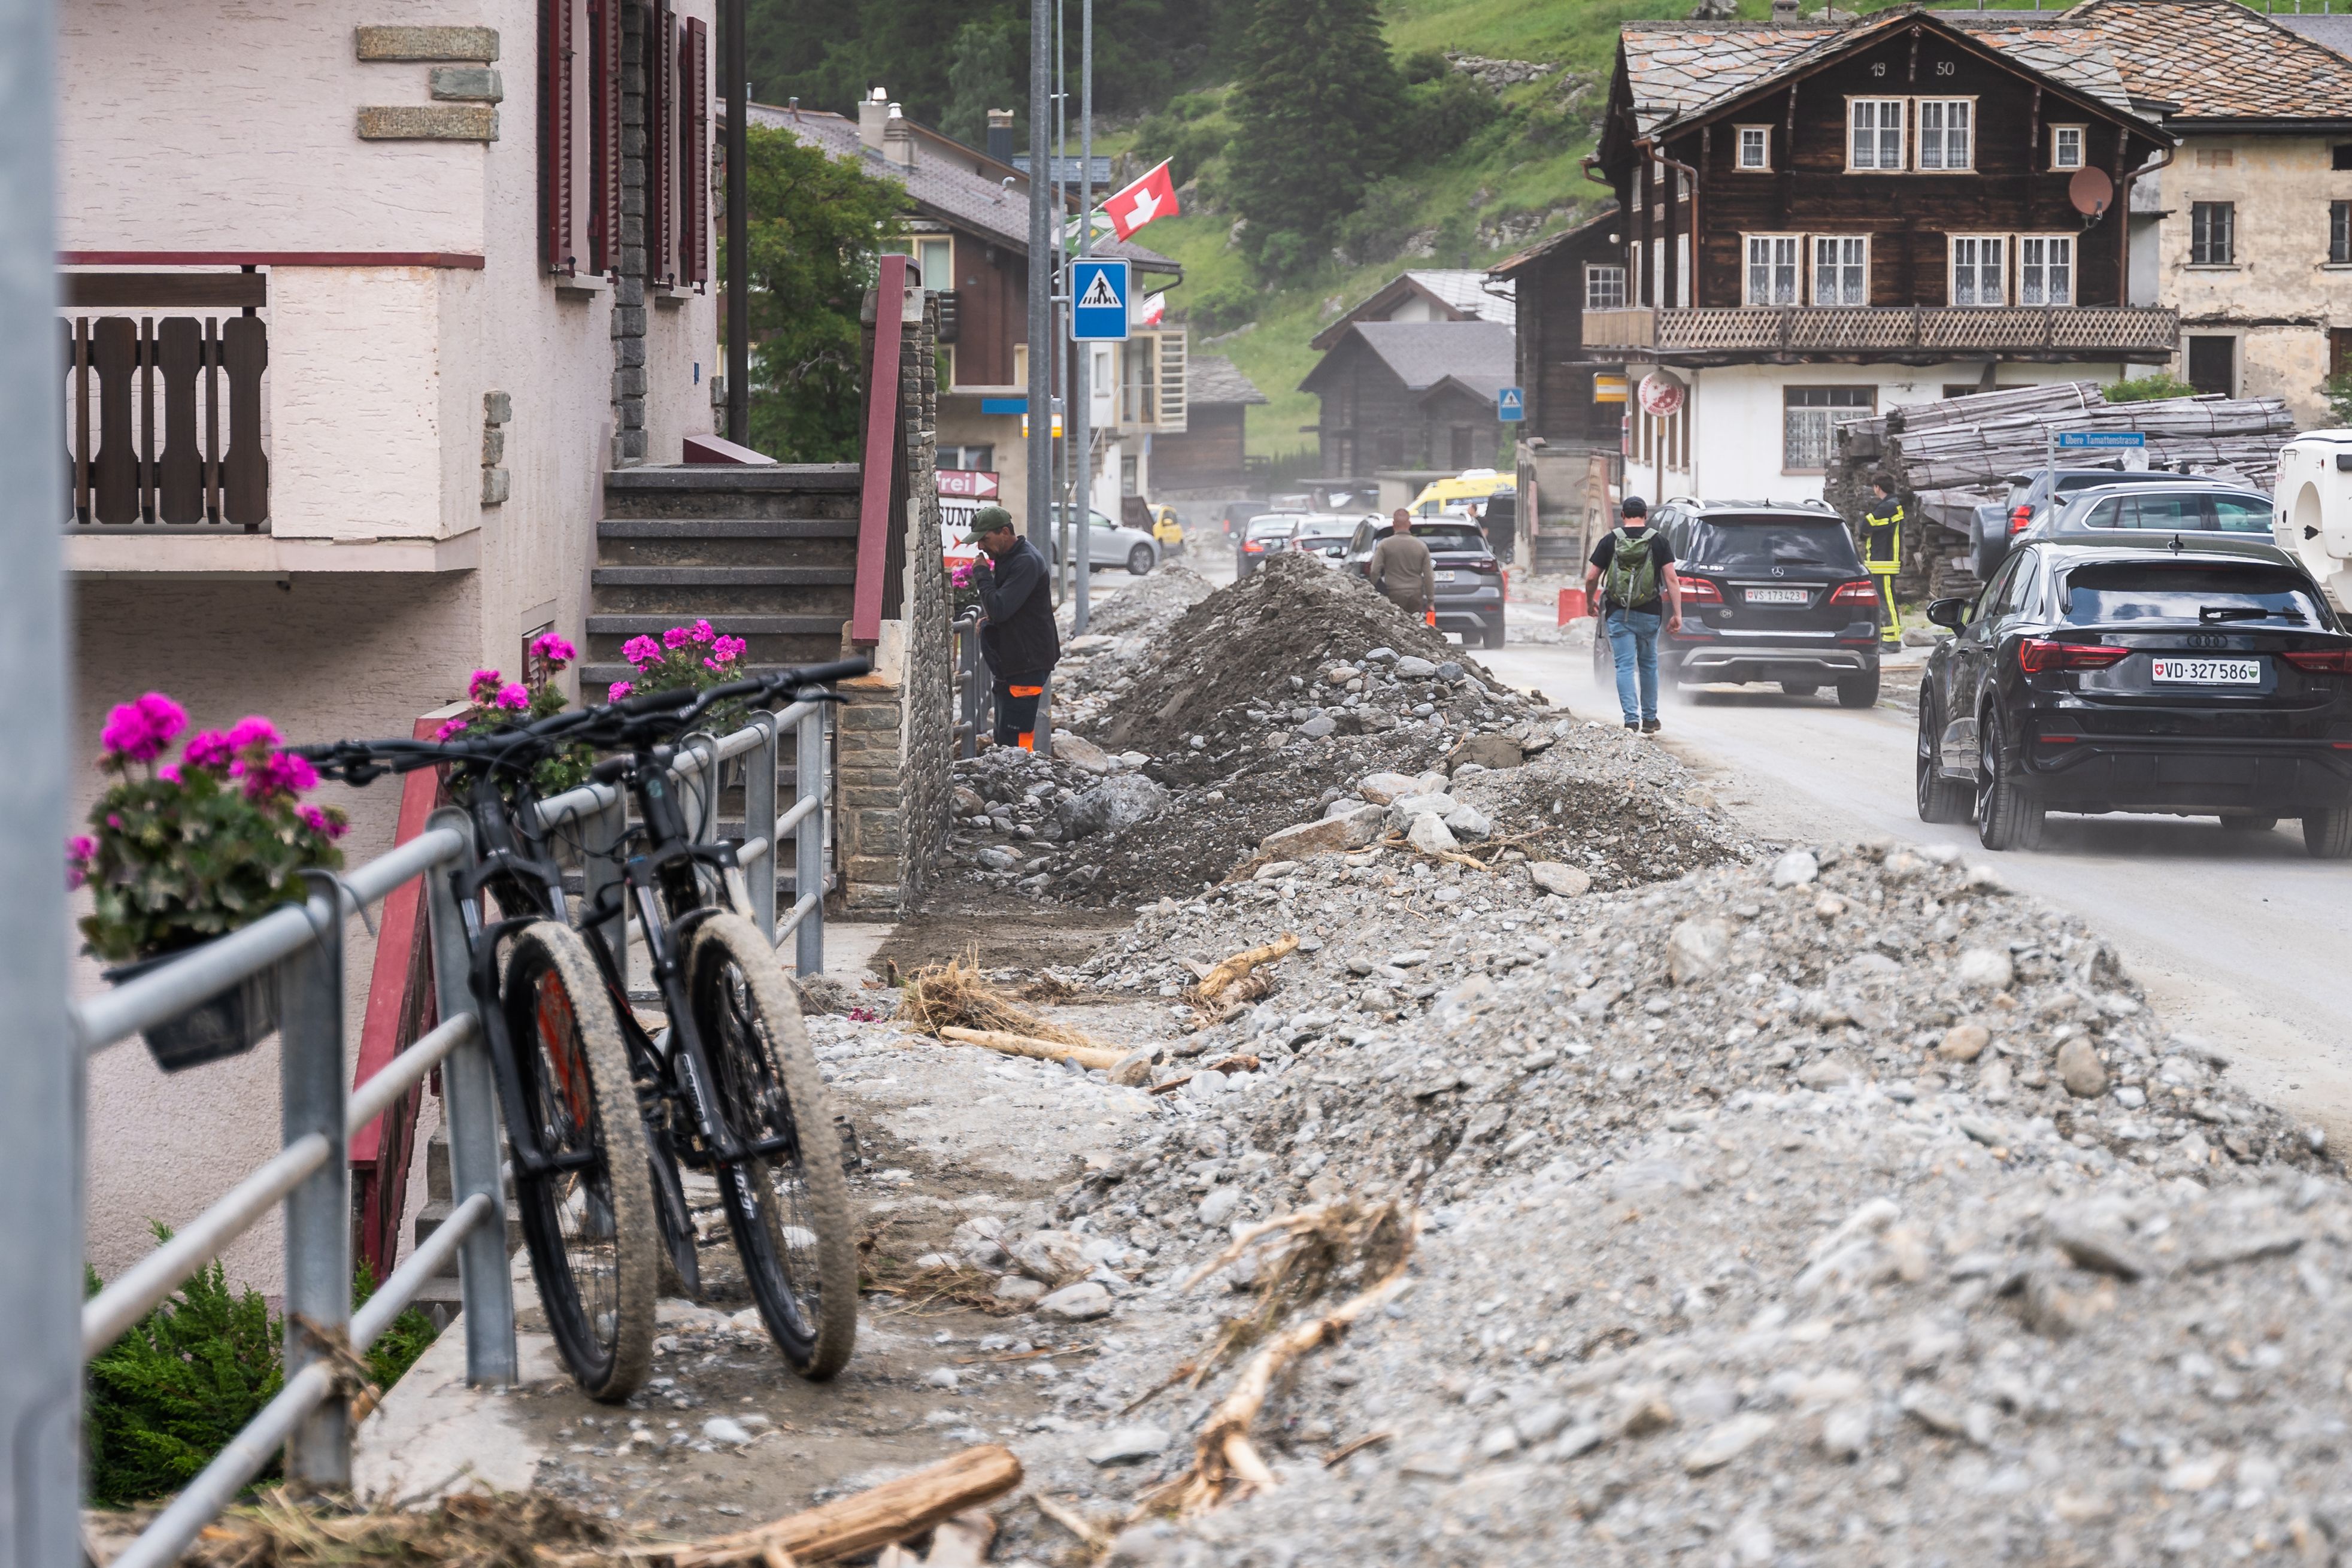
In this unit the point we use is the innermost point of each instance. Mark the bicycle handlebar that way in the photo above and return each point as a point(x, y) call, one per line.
point(630, 721)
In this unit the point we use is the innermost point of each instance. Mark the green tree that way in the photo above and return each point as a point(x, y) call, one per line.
point(1316, 113)
point(816, 222)
point(2337, 391)
point(986, 70)
point(2148, 388)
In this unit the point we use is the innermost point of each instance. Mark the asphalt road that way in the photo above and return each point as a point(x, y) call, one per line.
point(2247, 939)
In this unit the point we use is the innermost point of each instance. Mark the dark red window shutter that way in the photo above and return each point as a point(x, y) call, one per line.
point(604, 111)
point(694, 166)
point(555, 136)
point(661, 145)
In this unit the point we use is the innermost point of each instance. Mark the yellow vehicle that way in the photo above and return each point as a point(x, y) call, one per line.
point(1472, 485)
point(1167, 530)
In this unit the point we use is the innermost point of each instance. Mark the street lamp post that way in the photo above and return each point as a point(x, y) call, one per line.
point(1040, 391)
point(1082, 385)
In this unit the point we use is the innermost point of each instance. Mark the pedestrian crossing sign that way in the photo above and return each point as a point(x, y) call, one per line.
point(1510, 406)
point(1098, 300)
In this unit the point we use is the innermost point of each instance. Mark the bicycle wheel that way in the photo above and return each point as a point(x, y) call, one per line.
point(589, 1222)
point(789, 1205)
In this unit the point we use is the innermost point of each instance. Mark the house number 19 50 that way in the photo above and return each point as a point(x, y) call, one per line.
point(1944, 67)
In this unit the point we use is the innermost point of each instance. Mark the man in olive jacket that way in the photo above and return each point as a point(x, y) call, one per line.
point(1016, 633)
point(1400, 569)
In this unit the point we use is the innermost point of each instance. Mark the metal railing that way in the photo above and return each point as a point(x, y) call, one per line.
point(309, 1174)
point(2021, 329)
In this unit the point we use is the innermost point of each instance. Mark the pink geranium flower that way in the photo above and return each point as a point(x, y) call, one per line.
point(209, 748)
point(619, 690)
point(138, 731)
point(279, 773)
point(80, 850)
point(449, 726)
point(482, 682)
point(727, 649)
point(677, 637)
point(556, 650)
point(252, 731)
point(702, 632)
point(327, 824)
point(641, 652)
point(513, 696)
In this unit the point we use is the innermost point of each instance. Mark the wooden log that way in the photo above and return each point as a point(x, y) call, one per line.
point(1038, 1050)
point(866, 1520)
point(1225, 973)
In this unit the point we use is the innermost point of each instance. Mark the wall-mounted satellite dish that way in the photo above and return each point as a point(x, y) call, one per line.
point(2090, 190)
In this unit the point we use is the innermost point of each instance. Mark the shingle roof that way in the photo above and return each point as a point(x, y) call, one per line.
point(944, 190)
point(1676, 70)
point(2335, 31)
point(1465, 290)
point(2221, 60)
point(1421, 353)
point(1214, 379)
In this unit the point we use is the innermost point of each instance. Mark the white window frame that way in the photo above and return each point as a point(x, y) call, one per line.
point(1657, 265)
point(1772, 263)
point(2082, 146)
point(1683, 271)
point(1762, 144)
point(1840, 263)
point(1825, 417)
point(2033, 270)
point(1952, 250)
point(1595, 271)
point(1919, 135)
point(1854, 107)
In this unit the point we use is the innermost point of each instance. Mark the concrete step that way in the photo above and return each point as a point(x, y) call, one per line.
point(727, 541)
point(698, 593)
point(786, 489)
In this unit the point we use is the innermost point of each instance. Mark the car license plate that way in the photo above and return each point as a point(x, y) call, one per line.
point(1445, 577)
point(2211, 672)
point(1777, 596)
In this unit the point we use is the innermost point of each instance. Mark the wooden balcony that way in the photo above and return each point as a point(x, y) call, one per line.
point(1919, 333)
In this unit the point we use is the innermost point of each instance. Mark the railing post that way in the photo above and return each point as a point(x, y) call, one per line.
point(469, 1095)
point(759, 815)
point(809, 836)
point(318, 1211)
point(601, 837)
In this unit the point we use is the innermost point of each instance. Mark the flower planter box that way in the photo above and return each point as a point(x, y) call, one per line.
point(229, 1024)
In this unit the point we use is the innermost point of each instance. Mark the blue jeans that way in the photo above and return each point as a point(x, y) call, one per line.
point(1633, 637)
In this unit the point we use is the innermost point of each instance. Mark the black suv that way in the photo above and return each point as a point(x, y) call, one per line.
point(2188, 682)
point(1771, 592)
point(1469, 578)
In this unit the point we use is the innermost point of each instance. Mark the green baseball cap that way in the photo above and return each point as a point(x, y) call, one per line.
point(988, 519)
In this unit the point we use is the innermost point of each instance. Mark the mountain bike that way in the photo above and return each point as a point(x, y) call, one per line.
point(731, 1083)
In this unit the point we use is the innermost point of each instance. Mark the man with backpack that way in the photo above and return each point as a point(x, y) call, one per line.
point(1633, 566)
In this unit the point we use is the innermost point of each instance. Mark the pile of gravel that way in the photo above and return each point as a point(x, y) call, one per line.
point(1846, 1208)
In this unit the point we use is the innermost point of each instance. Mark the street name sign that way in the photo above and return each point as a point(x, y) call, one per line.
point(2078, 440)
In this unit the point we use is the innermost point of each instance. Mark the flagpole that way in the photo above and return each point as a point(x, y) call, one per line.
point(1082, 377)
point(1062, 299)
point(1037, 494)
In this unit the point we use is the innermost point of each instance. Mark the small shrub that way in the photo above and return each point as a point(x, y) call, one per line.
point(2337, 391)
point(1447, 112)
point(1422, 65)
point(411, 1333)
point(2148, 388)
point(497, 702)
point(1222, 307)
point(1377, 230)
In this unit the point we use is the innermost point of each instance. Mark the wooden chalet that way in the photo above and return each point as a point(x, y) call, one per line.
point(1818, 222)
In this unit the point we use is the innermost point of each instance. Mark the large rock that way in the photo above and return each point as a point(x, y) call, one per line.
point(1352, 831)
point(1695, 950)
point(1984, 968)
point(1405, 808)
point(1382, 788)
point(1487, 751)
point(1413, 668)
point(1466, 821)
point(1551, 876)
point(2080, 1069)
point(1127, 1446)
point(1081, 753)
point(1430, 835)
point(1113, 805)
point(1079, 1303)
point(1795, 869)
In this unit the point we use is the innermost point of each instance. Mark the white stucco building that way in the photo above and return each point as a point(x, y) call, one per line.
point(396, 302)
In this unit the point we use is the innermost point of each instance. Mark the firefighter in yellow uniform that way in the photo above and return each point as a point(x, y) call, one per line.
point(1882, 551)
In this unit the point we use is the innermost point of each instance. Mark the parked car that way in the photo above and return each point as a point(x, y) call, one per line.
point(1264, 536)
point(1169, 529)
point(2208, 514)
point(2030, 496)
point(1111, 545)
point(1469, 578)
point(2090, 678)
point(1771, 592)
point(1455, 495)
point(1325, 537)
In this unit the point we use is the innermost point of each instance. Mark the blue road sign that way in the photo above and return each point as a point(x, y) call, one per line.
point(1098, 296)
point(1510, 406)
point(2075, 440)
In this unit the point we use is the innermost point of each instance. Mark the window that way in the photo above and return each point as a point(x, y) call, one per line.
point(1658, 271)
point(1809, 420)
point(2217, 158)
point(933, 256)
point(1772, 268)
point(1754, 146)
point(1945, 138)
point(2066, 146)
point(975, 459)
point(2339, 233)
point(1980, 269)
point(1840, 269)
point(1682, 271)
point(1604, 287)
point(2045, 269)
point(1876, 139)
point(2211, 226)
point(2213, 365)
point(2340, 158)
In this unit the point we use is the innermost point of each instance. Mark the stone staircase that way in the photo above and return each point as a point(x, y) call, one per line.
point(767, 554)
point(440, 1299)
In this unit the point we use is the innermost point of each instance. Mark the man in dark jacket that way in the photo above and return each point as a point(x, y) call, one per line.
point(1016, 633)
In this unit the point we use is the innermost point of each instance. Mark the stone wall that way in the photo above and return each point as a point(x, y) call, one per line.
point(895, 733)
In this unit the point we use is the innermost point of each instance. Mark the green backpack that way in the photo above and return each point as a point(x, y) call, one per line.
point(1632, 576)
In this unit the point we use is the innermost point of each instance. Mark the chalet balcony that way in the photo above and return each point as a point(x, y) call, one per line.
point(1697, 336)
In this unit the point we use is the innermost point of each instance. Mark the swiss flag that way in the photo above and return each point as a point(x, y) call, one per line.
point(1153, 196)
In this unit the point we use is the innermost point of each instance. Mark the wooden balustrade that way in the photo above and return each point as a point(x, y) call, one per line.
point(2023, 330)
point(164, 423)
